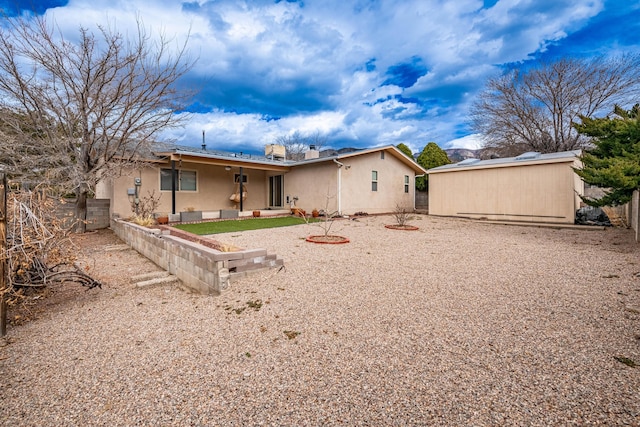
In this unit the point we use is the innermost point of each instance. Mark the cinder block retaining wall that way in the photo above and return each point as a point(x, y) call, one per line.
point(201, 268)
point(97, 213)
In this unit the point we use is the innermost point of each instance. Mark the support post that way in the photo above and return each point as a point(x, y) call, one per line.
point(241, 189)
point(173, 187)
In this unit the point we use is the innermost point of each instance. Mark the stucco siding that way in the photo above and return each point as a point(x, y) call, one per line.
point(311, 184)
point(541, 192)
point(357, 192)
point(349, 186)
point(342, 183)
point(214, 187)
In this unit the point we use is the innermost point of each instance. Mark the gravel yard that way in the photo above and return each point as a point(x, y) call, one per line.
point(458, 323)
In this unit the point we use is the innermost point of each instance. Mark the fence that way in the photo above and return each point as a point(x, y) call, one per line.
point(97, 213)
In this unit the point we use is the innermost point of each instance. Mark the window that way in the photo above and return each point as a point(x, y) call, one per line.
point(185, 180)
point(374, 180)
point(382, 155)
point(406, 183)
point(236, 178)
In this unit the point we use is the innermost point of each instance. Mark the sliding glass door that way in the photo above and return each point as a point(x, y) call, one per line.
point(276, 191)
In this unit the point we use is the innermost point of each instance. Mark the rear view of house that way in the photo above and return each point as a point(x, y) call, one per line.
point(532, 187)
point(212, 182)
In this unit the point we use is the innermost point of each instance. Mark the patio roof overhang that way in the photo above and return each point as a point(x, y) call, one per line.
point(217, 160)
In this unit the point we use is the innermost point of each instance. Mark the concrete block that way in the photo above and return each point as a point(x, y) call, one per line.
point(252, 253)
point(191, 216)
point(228, 213)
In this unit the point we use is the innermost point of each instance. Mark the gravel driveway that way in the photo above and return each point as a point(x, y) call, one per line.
point(458, 323)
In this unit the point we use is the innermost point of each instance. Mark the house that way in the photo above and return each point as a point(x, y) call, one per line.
point(376, 180)
point(532, 187)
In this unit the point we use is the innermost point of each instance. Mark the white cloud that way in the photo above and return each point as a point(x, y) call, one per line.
point(319, 65)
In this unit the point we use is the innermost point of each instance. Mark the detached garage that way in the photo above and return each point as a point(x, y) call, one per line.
point(532, 187)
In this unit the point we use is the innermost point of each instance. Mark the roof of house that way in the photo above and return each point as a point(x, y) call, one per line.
point(174, 152)
point(529, 158)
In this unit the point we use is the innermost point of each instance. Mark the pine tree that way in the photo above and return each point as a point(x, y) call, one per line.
point(405, 149)
point(432, 156)
point(614, 162)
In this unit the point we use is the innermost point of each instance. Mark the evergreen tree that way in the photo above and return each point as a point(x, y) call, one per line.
point(614, 162)
point(432, 156)
point(405, 149)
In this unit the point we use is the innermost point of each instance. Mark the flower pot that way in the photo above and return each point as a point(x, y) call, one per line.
point(256, 214)
point(164, 219)
point(298, 212)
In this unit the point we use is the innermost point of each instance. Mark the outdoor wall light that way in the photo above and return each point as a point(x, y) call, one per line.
point(227, 168)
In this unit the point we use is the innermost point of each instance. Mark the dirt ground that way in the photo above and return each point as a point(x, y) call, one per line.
point(97, 258)
point(458, 323)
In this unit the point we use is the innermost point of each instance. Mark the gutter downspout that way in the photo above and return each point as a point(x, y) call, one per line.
point(340, 165)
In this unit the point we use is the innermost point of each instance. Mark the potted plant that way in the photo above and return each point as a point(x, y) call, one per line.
point(298, 212)
point(315, 213)
point(162, 218)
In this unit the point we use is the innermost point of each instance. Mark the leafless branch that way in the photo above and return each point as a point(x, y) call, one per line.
point(533, 110)
point(81, 110)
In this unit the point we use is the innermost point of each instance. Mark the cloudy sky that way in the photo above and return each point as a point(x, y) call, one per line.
point(363, 73)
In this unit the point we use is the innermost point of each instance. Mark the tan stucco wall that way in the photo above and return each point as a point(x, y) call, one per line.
point(540, 192)
point(357, 195)
point(348, 188)
point(214, 187)
point(311, 183)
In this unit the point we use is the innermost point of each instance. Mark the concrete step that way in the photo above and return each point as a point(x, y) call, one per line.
point(113, 248)
point(148, 276)
point(167, 280)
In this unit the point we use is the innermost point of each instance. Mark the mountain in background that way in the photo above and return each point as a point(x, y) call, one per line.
point(459, 154)
point(455, 154)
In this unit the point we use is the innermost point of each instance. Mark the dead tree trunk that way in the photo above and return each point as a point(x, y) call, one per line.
point(3, 254)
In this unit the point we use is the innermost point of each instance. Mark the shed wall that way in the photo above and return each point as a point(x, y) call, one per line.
point(546, 192)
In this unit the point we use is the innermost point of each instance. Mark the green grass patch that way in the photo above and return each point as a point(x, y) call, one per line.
point(230, 226)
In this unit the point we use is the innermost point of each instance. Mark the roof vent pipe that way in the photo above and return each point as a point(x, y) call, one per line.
point(204, 146)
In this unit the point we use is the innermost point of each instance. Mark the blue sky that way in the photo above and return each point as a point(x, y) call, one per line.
point(364, 73)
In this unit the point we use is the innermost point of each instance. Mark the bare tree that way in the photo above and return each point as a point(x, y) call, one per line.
point(76, 112)
point(533, 110)
point(296, 144)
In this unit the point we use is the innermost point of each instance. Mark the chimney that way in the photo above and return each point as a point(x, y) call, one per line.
point(311, 153)
point(274, 151)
